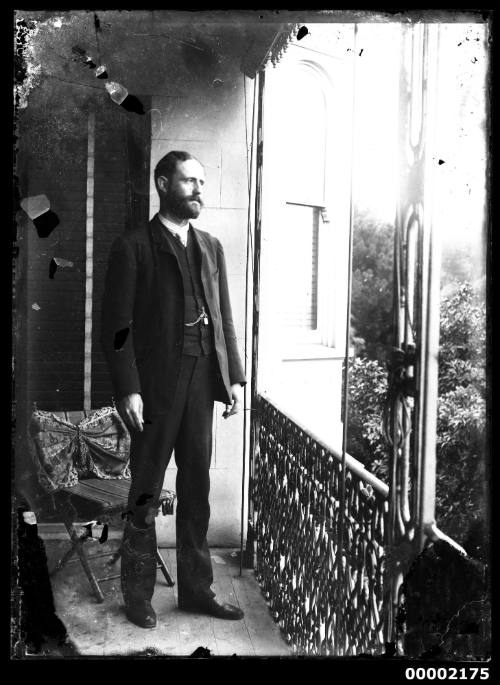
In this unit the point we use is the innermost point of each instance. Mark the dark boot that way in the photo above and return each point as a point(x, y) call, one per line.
point(138, 573)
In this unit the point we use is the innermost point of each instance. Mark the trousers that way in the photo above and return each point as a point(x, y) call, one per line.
point(185, 430)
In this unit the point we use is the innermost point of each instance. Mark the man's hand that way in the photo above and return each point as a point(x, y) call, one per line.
point(237, 397)
point(130, 409)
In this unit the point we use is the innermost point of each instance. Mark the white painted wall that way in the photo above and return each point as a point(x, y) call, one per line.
point(209, 122)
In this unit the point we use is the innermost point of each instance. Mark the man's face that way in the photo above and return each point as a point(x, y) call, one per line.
point(182, 194)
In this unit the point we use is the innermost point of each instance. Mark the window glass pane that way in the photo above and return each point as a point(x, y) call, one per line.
point(300, 269)
point(461, 504)
point(374, 196)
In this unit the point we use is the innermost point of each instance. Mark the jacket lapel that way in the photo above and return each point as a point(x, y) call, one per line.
point(159, 235)
point(206, 252)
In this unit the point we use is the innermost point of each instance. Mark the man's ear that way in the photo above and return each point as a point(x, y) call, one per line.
point(162, 182)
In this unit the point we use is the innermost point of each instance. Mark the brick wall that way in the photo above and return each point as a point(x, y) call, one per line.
point(53, 352)
point(55, 164)
point(121, 195)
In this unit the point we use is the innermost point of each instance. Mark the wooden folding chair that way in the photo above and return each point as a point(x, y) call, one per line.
point(103, 501)
point(92, 501)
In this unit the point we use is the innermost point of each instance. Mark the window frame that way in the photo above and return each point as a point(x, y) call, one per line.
point(321, 342)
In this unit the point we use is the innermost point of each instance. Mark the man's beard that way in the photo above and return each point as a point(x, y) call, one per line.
point(183, 207)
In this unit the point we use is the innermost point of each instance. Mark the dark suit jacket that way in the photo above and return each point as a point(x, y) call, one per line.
point(151, 308)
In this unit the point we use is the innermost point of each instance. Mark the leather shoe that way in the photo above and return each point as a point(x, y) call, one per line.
point(212, 608)
point(141, 613)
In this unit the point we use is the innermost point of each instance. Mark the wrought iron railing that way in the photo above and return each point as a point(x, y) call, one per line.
point(326, 602)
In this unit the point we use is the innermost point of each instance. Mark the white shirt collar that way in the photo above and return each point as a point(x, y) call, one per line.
point(180, 232)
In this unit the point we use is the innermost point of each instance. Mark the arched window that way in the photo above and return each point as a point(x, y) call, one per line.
point(304, 134)
point(306, 163)
point(305, 129)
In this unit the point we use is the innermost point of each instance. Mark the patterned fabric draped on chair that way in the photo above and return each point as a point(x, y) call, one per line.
point(98, 446)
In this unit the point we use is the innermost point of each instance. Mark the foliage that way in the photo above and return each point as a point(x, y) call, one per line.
point(367, 392)
point(461, 419)
point(372, 273)
point(462, 340)
point(371, 308)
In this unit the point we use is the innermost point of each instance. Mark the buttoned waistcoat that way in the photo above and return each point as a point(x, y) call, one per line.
point(143, 303)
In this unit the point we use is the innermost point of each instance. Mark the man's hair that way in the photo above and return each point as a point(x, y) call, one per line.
point(168, 164)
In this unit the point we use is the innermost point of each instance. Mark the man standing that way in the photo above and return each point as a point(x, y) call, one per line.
point(169, 340)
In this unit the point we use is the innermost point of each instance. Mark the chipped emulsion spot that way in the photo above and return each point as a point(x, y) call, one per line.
point(122, 97)
point(52, 268)
point(101, 72)
point(116, 91)
point(36, 307)
point(58, 262)
point(63, 262)
point(46, 223)
point(120, 339)
point(303, 31)
point(37, 207)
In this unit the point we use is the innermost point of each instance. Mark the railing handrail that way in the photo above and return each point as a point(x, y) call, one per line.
point(432, 531)
point(351, 463)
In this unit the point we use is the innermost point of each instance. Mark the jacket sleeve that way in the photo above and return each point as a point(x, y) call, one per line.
point(236, 371)
point(117, 319)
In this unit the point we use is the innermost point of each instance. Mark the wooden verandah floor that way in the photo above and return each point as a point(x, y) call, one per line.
point(102, 629)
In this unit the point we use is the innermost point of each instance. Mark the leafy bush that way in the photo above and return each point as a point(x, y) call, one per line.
point(461, 420)
point(461, 412)
point(462, 339)
point(367, 393)
point(372, 265)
